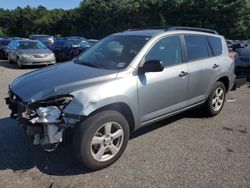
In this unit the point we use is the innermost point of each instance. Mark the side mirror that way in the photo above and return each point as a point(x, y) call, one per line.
point(153, 66)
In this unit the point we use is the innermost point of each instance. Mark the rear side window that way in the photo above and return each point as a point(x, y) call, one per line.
point(196, 47)
point(215, 45)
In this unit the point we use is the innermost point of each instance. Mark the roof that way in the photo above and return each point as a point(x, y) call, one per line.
point(74, 37)
point(40, 35)
point(25, 40)
point(153, 32)
point(146, 32)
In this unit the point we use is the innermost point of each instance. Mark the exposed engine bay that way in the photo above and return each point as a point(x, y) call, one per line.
point(43, 121)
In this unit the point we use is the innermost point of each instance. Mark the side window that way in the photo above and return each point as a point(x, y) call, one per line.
point(196, 47)
point(167, 50)
point(215, 45)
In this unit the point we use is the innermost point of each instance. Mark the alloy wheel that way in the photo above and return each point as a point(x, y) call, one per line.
point(107, 141)
point(218, 99)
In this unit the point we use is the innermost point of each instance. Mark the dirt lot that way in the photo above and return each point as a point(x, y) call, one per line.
point(187, 150)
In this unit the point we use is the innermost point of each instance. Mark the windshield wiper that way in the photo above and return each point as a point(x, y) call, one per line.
point(89, 64)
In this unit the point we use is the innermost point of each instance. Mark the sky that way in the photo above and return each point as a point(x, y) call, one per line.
point(49, 4)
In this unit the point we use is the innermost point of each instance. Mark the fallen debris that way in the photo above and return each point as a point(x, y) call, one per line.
point(231, 100)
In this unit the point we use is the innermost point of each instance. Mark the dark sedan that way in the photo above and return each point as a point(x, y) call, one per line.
point(68, 48)
point(3, 45)
point(47, 40)
point(242, 61)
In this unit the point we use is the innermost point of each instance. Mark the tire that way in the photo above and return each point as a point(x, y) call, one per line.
point(8, 58)
point(19, 64)
point(110, 148)
point(216, 99)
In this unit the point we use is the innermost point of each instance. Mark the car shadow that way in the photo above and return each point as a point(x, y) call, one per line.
point(8, 65)
point(194, 113)
point(16, 154)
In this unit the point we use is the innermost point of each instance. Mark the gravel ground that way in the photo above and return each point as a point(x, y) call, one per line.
point(187, 150)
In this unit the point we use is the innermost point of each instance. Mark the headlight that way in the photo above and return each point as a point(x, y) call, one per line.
point(52, 55)
point(27, 56)
point(49, 113)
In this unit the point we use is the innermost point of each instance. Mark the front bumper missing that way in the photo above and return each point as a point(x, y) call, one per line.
point(46, 134)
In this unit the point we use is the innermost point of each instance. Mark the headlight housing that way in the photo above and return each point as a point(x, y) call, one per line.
point(27, 56)
point(49, 113)
point(51, 55)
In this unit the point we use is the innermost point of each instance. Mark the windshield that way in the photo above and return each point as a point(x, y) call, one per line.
point(4, 42)
point(114, 52)
point(24, 45)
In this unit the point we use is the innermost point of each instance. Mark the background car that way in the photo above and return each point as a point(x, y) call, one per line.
point(69, 47)
point(242, 61)
point(47, 40)
point(4, 42)
point(92, 42)
point(79, 42)
point(29, 52)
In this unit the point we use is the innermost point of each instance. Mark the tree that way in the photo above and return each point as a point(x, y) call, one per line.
point(99, 18)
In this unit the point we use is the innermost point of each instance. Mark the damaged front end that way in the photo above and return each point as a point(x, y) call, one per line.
point(43, 121)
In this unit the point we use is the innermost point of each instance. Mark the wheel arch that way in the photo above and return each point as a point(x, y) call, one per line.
point(225, 81)
point(121, 107)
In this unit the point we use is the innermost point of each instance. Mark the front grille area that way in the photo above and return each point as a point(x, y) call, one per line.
point(40, 56)
point(245, 59)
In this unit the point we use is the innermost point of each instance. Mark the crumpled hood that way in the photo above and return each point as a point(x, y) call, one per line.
point(58, 80)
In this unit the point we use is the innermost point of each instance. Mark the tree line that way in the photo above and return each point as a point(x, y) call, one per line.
point(99, 18)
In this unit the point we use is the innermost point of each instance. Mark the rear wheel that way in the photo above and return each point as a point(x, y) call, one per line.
point(101, 139)
point(216, 99)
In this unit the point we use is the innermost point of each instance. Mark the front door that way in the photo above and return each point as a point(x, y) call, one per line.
point(163, 92)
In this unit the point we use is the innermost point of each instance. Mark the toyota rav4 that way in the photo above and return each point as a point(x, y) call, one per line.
point(126, 81)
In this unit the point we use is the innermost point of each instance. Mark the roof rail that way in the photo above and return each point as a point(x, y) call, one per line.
point(193, 29)
point(174, 28)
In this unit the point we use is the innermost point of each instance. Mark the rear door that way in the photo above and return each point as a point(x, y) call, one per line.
point(163, 92)
point(203, 68)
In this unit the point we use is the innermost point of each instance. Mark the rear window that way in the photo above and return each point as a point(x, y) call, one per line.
point(196, 47)
point(215, 45)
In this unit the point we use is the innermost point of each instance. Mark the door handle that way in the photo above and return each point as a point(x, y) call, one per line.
point(215, 66)
point(183, 74)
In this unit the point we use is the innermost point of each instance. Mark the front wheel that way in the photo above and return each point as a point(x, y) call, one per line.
point(19, 64)
point(9, 59)
point(216, 99)
point(101, 139)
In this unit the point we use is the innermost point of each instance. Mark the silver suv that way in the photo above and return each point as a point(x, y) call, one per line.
point(126, 81)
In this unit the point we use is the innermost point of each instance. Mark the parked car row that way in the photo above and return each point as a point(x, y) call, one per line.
point(42, 49)
point(241, 54)
point(69, 47)
point(235, 44)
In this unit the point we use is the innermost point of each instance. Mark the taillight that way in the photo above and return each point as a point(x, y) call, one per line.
point(232, 55)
